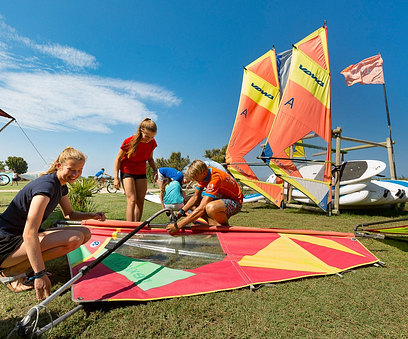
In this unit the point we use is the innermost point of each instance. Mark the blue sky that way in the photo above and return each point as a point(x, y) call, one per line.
point(85, 73)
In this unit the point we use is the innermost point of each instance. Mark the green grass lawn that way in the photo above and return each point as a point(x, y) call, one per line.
point(369, 302)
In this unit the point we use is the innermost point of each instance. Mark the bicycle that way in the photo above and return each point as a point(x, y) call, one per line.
point(108, 184)
point(4, 179)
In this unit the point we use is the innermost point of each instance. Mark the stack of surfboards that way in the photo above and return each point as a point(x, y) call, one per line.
point(357, 187)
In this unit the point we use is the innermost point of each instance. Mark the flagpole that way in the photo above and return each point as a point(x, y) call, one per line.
point(389, 130)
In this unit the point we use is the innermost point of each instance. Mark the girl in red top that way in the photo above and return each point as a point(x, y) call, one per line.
point(131, 161)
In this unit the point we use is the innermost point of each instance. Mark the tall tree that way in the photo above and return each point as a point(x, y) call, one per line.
point(216, 154)
point(2, 165)
point(175, 161)
point(17, 164)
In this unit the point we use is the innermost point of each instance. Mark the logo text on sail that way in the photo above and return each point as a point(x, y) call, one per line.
point(304, 69)
point(259, 89)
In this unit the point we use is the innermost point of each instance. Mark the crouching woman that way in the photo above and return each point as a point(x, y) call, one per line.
point(23, 244)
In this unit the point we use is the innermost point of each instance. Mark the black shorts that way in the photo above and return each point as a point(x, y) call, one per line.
point(134, 176)
point(9, 245)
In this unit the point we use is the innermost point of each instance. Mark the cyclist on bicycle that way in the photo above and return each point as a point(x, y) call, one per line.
point(101, 176)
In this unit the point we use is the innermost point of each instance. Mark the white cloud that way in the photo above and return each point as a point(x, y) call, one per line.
point(69, 55)
point(55, 98)
point(61, 102)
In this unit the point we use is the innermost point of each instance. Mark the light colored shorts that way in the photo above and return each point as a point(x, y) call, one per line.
point(174, 207)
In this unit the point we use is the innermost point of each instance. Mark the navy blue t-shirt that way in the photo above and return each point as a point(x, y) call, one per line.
point(13, 220)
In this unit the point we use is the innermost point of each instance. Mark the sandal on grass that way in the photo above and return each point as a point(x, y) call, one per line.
point(16, 284)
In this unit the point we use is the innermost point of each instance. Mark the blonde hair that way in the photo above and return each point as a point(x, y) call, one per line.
point(69, 153)
point(146, 124)
point(166, 181)
point(196, 168)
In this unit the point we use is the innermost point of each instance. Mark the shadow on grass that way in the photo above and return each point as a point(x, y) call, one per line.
point(106, 307)
point(379, 212)
point(399, 242)
point(10, 325)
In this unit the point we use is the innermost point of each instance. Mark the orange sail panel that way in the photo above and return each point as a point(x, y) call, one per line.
point(305, 108)
point(256, 112)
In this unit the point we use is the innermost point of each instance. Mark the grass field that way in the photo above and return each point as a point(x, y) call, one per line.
point(369, 302)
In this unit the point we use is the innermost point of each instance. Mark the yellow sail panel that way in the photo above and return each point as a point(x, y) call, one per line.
point(260, 91)
point(272, 192)
point(298, 150)
point(311, 76)
point(390, 230)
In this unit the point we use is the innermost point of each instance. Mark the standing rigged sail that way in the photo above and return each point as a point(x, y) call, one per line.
point(257, 107)
point(305, 108)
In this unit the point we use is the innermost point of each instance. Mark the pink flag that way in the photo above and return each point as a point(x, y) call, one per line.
point(366, 72)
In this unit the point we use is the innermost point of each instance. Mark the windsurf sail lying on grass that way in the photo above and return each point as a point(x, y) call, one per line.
point(305, 109)
point(203, 259)
point(365, 230)
point(257, 107)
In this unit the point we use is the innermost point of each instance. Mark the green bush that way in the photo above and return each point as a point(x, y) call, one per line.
point(80, 195)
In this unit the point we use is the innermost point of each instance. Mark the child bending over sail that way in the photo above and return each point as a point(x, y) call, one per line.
point(172, 194)
point(221, 199)
point(172, 173)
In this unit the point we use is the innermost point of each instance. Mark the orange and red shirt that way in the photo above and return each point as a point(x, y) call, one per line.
point(220, 185)
point(136, 163)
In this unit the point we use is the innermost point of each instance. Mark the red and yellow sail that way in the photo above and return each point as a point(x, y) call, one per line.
point(204, 259)
point(258, 105)
point(305, 108)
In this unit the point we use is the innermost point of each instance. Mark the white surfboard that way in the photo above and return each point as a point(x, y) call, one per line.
point(253, 197)
point(345, 189)
point(152, 197)
point(377, 193)
point(352, 171)
point(345, 200)
point(353, 198)
point(357, 170)
point(385, 192)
